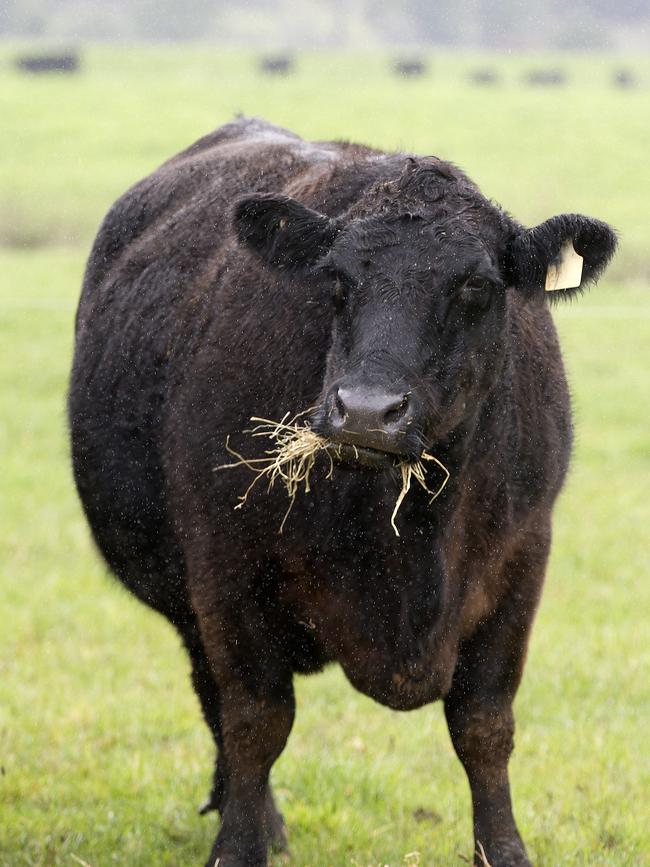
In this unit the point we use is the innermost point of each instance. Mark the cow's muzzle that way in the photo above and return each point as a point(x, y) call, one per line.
point(370, 425)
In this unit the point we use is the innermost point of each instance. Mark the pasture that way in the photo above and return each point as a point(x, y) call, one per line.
point(103, 756)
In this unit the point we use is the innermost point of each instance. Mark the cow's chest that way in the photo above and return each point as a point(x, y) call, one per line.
point(390, 623)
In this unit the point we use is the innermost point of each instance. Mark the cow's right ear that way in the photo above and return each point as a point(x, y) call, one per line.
point(283, 232)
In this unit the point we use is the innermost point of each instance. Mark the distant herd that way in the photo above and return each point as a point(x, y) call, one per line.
point(403, 67)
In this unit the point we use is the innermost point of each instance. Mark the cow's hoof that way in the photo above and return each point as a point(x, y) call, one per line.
point(500, 862)
point(223, 859)
point(506, 854)
point(226, 852)
point(275, 829)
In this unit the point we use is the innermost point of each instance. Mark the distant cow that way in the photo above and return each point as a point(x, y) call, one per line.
point(277, 65)
point(257, 274)
point(625, 79)
point(41, 63)
point(410, 67)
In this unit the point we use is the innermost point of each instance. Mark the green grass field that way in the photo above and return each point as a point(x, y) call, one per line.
point(103, 756)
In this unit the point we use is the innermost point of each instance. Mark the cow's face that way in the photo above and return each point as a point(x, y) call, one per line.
point(417, 337)
point(419, 273)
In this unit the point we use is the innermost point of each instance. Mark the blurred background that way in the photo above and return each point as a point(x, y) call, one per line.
point(103, 754)
point(340, 24)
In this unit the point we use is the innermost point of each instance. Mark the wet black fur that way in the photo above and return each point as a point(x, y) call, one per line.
point(208, 299)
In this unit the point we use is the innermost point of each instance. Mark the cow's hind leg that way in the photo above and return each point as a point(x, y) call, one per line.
point(479, 709)
point(206, 689)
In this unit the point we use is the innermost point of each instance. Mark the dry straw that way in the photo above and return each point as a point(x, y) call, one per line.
point(479, 854)
point(294, 454)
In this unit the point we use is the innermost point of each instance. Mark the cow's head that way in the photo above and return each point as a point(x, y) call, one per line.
point(422, 272)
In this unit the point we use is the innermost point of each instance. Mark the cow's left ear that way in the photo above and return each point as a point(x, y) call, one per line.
point(282, 231)
point(561, 256)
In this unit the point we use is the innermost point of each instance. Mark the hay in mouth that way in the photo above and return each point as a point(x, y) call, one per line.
point(294, 453)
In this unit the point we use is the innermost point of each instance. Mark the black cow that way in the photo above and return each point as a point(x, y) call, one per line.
point(40, 63)
point(625, 79)
point(258, 274)
point(276, 65)
point(410, 67)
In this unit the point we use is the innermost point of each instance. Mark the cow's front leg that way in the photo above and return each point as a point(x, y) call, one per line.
point(255, 728)
point(482, 735)
point(206, 689)
point(256, 712)
point(479, 710)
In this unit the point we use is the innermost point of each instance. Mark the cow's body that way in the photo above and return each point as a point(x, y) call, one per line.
point(182, 336)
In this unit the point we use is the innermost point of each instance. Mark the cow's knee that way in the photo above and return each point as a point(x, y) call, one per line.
point(483, 737)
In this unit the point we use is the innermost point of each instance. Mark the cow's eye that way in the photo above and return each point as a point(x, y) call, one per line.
point(339, 293)
point(477, 293)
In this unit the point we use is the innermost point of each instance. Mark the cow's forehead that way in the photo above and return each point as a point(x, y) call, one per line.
point(375, 244)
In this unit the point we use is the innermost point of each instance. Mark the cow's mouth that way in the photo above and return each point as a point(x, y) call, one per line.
point(351, 456)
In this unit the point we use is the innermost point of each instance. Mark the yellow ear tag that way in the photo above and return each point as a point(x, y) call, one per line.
point(566, 271)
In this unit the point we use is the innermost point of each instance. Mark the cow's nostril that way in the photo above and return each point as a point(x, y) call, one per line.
point(397, 410)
